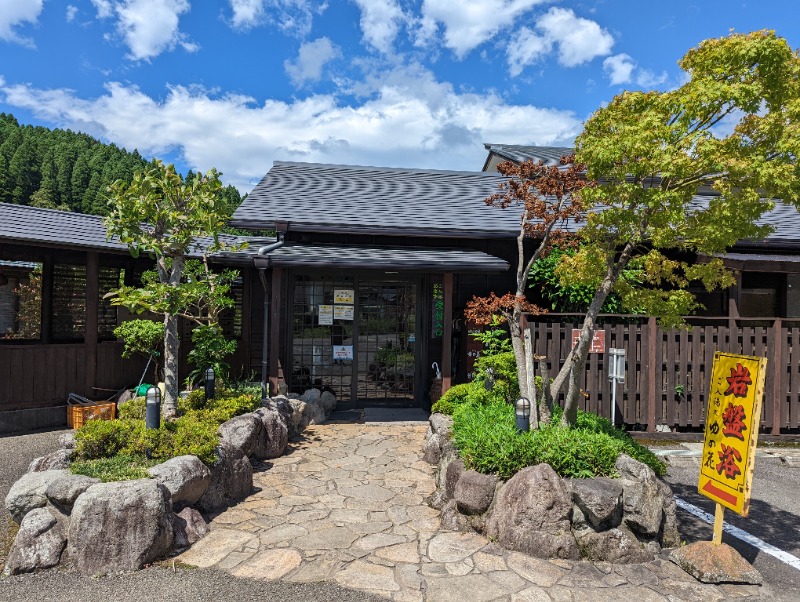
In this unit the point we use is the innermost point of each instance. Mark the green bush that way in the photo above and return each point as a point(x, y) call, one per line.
point(106, 438)
point(225, 405)
point(488, 441)
point(135, 409)
point(503, 367)
point(118, 468)
point(454, 397)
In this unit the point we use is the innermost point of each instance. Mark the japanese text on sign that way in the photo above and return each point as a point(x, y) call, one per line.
point(732, 418)
point(342, 295)
point(598, 340)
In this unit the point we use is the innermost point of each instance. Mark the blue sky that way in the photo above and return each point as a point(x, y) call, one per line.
point(238, 84)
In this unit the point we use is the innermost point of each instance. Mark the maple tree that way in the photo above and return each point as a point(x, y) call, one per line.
point(731, 128)
point(546, 196)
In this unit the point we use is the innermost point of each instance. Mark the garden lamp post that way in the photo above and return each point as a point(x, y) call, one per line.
point(523, 414)
point(211, 382)
point(153, 405)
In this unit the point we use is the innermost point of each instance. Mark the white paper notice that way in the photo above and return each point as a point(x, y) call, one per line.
point(343, 312)
point(341, 295)
point(325, 315)
point(343, 352)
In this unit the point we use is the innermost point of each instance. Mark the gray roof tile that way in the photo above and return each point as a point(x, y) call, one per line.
point(371, 200)
point(550, 155)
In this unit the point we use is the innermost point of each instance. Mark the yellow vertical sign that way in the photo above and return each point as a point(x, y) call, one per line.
point(732, 420)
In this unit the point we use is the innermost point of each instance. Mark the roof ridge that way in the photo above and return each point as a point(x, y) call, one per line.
point(371, 168)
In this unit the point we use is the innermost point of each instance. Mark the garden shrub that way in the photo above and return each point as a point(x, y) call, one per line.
point(503, 370)
point(118, 468)
point(135, 409)
point(488, 441)
point(453, 397)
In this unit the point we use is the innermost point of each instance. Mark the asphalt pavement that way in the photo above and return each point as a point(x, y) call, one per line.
point(774, 516)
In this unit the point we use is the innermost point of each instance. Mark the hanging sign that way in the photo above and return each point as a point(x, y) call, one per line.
point(325, 315)
point(343, 352)
point(343, 312)
point(735, 395)
point(343, 295)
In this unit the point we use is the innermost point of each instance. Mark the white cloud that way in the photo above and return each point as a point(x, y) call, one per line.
point(294, 17)
point(380, 22)
point(104, 8)
point(150, 27)
point(411, 120)
point(579, 40)
point(622, 69)
point(72, 11)
point(17, 12)
point(247, 13)
point(311, 59)
point(619, 68)
point(526, 48)
point(469, 23)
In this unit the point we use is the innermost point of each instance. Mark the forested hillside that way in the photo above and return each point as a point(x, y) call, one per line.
point(62, 169)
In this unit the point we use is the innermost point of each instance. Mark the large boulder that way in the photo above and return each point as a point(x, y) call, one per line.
point(474, 492)
point(306, 413)
point(311, 396)
point(63, 491)
point(66, 440)
point(245, 432)
point(599, 500)
point(29, 492)
point(276, 434)
point(283, 406)
point(642, 498)
point(328, 402)
point(453, 473)
point(712, 563)
point(669, 536)
point(120, 526)
point(532, 515)
point(441, 424)
point(185, 477)
point(188, 526)
point(616, 545)
point(39, 543)
point(231, 480)
point(57, 460)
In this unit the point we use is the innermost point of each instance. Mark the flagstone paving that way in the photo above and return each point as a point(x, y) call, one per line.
point(347, 505)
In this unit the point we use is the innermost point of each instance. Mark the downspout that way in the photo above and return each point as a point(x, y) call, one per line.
point(262, 273)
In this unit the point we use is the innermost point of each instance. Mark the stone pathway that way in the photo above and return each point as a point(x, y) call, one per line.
point(346, 505)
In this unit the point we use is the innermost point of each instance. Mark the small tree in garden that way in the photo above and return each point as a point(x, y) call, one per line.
point(733, 126)
point(159, 213)
point(143, 337)
point(546, 196)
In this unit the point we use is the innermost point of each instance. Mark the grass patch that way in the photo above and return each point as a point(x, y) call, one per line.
point(117, 468)
point(488, 441)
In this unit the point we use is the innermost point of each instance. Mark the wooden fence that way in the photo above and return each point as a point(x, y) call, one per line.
point(668, 371)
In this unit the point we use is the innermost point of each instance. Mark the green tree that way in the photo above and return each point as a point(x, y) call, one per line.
point(731, 127)
point(159, 213)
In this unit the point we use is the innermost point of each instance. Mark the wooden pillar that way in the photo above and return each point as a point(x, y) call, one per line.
point(90, 334)
point(244, 351)
point(778, 394)
point(652, 372)
point(447, 333)
point(275, 320)
point(47, 300)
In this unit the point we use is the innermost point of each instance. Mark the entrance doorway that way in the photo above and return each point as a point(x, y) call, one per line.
point(357, 338)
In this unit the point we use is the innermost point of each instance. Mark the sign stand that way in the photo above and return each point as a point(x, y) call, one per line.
point(616, 374)
point(719, 514)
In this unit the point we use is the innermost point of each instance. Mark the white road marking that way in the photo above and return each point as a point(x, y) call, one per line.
point(792, 561)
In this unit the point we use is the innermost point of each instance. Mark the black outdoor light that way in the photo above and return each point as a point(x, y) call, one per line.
point(211, 382)
point(523, 415)
point(153, 405)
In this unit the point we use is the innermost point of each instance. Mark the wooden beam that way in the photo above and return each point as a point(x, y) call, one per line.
point(447, 333)
point(90, 334)
point(275, 318)
point(652, 335)
point(47, 299)
point(778, 394)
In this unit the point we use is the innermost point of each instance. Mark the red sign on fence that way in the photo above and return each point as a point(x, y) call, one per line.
point(598, 340)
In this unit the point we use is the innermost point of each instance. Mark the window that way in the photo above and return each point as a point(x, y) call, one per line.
point(109, 279)
point(20, 300)
point(69, 302)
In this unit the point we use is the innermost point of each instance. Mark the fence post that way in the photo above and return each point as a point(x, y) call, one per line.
point(777, 370)
point(652, 329)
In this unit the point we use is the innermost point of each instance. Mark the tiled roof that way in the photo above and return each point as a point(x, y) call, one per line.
point(51, 227)
point(550, 155)
point(371, 200)
point(383, 258)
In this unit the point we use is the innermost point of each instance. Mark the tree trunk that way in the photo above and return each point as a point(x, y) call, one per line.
point(169, 405)
point(519, 355)
point(573, 367)
point(546, 400)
